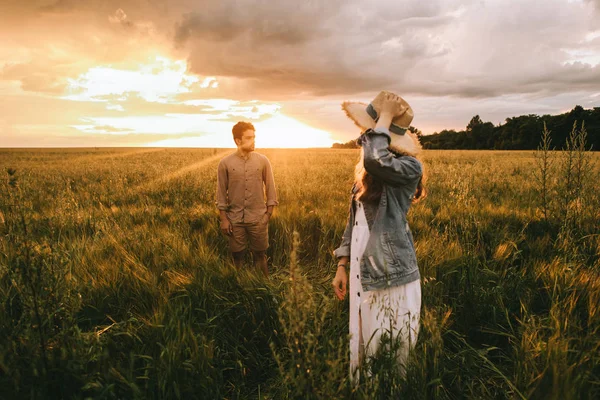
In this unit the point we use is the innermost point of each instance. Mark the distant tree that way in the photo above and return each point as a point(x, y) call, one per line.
point(524, 132)
point(516, 133)
point(475, 121)
point(577, 111)
point(352, 144)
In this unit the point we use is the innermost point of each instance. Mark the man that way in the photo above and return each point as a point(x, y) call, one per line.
point(243, 179)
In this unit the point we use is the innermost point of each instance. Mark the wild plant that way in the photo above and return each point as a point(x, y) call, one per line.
point(564, 185)
point(161, 315)
point(543, 174)
point(38, 303)
point(574, 180)
point(311, 364)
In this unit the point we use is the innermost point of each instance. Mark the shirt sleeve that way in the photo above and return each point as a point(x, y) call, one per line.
point(380, 162)
point(222, 183)
point(269, 184)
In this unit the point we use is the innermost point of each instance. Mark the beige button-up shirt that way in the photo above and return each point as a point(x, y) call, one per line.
point(243, 184)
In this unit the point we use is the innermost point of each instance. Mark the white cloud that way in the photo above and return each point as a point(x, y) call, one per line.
point(116, 107)
point(158, 81)
point(216, 104)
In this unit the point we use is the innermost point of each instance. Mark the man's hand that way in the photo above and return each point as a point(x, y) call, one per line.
point(340, 282)
point(265, 218)
point(226, 227)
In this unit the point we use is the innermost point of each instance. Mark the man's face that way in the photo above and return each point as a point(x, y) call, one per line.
point(247, 142)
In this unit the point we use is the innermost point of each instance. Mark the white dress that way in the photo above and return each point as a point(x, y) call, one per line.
point(374, 313)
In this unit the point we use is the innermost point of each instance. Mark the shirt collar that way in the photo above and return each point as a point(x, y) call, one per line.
point(237, 153)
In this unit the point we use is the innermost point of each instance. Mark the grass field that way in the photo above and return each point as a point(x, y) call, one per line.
point(115, 281)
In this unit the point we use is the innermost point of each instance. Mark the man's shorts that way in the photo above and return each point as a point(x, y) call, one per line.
point(256, 235)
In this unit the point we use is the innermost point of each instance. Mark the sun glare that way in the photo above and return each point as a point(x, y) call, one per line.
point(162, 80)
point(282, 131)
point(157, 81)
point(279, 131)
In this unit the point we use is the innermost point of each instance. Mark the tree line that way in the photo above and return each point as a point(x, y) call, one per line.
point(516, 133)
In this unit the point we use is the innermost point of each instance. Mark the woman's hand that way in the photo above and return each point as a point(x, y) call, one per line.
point(392, 105)
point(340, 282)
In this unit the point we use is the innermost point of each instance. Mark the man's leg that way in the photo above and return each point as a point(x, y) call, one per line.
point(260, 260)
point(237, 244)
point(238, 258)
point(258, 236)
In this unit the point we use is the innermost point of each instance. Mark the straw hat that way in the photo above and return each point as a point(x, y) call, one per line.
point(365, 116)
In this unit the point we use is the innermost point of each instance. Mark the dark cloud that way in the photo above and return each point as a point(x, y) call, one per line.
point(466, 49)
point(261, 22)
point(321, 48)
point(596, 3)
point(316, 49)
point(56, 6)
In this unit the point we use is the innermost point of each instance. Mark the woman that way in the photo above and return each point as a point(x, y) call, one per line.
point(385, 289)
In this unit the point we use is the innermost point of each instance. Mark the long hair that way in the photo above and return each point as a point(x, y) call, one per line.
point(369, 188)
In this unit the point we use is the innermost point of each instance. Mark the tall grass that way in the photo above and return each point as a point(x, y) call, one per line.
point(115, 281)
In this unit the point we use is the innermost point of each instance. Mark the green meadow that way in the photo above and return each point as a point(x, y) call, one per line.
point(115, 282)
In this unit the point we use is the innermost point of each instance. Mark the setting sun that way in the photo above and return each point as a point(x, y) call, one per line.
point(278, 131)
point(282, 131)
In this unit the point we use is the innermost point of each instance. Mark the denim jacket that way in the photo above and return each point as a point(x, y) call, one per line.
point(389, 258)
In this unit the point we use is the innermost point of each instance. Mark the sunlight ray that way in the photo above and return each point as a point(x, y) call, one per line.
point(180, 172)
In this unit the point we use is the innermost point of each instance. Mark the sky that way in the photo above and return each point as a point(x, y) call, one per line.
point(183, 72)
